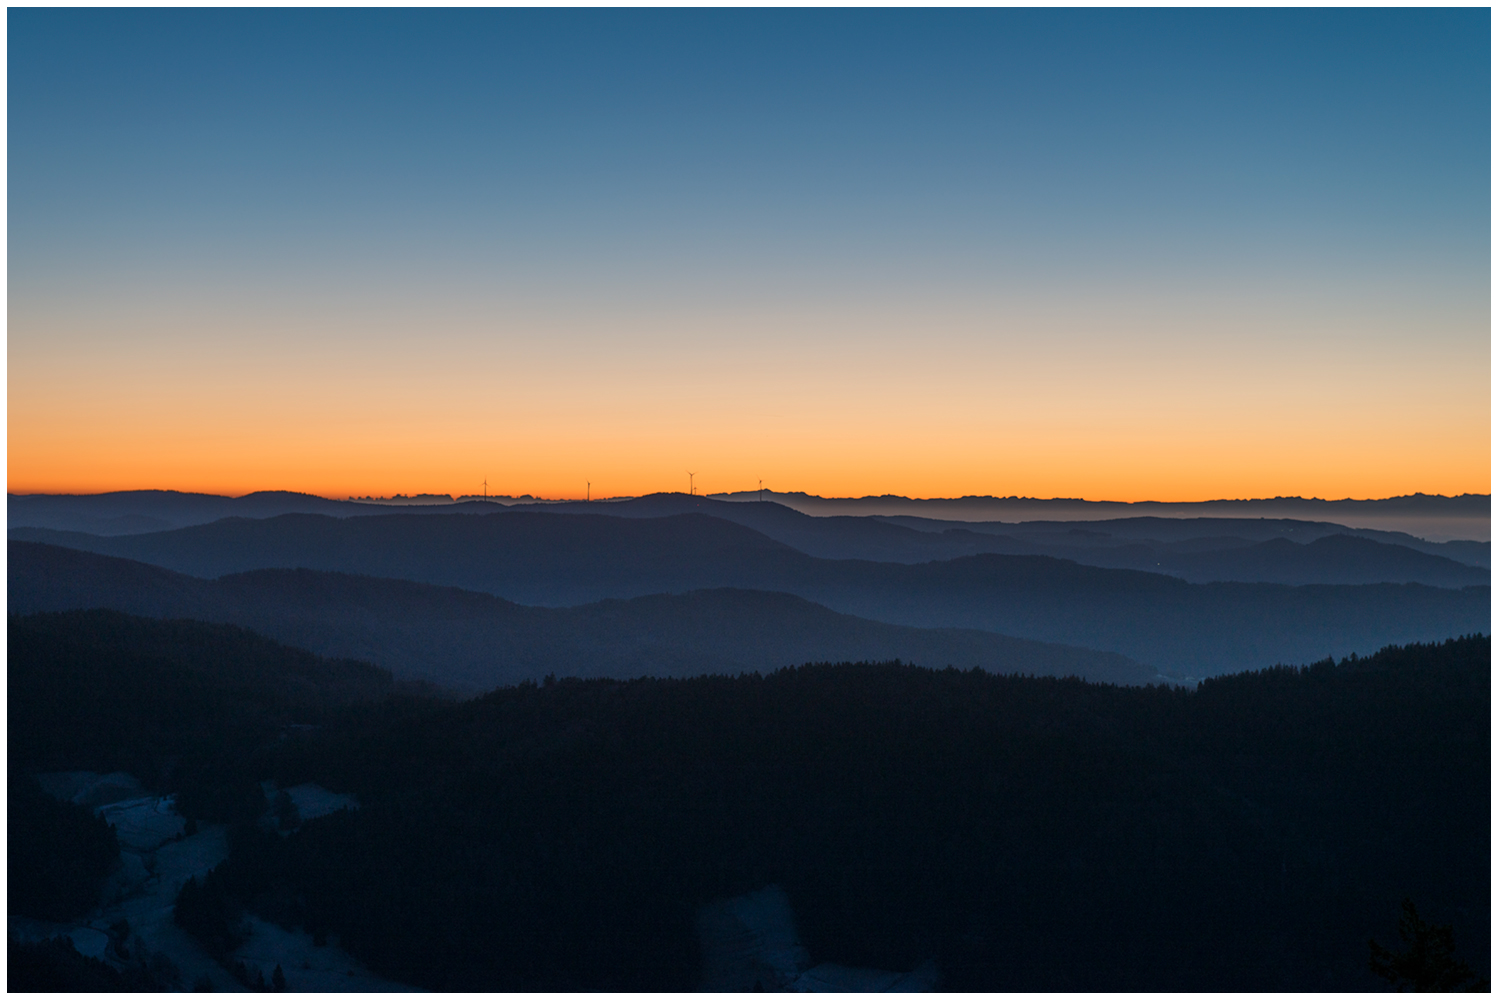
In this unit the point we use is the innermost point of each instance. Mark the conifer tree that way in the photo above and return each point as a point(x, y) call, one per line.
point(1428, 963)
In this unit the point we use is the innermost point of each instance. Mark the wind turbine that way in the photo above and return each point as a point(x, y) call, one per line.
point(588, 497)
point(691, 484)
point(486, 487)
point(761, 491)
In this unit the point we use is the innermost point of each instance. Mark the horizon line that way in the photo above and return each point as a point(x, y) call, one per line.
point(437, 498)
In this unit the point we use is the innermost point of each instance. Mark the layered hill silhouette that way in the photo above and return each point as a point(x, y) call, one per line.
point(1201, 534)
point(1201, 550)
point(569, 559)
point(471, 642)
point(130, 512)
point(1467, 515)
point(1332, 558)
point(1439, 518)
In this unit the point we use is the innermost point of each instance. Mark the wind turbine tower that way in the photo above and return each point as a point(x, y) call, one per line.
point(691, 484)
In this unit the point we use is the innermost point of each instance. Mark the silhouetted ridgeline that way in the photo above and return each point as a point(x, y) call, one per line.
point(1198, 549)
point(1437, 518)
point(472, 642)
point(131, 511)
point(558, 560)
point(1434, 517)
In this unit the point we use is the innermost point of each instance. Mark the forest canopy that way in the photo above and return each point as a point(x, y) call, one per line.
point(1026, 833)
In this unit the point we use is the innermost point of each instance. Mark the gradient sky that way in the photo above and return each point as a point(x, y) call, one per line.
point(1172, 255)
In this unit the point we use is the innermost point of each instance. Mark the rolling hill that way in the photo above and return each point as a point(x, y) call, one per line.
point(1201, 550)
point(564, 560)
point(471, 642)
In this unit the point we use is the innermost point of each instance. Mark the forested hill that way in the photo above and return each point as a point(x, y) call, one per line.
point(1027, 834)
point(1024, 833)
point(181, 705)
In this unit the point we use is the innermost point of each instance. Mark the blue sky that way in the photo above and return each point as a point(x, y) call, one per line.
point(565, 184)
point(978, 125)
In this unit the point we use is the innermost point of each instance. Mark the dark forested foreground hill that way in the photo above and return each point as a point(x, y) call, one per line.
point(557, 560)
point(1027, 834)
point(471, 643)
point(181, 705)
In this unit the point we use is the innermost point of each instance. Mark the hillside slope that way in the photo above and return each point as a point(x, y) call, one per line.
point(472, 642)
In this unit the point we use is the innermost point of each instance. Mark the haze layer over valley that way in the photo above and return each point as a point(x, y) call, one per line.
point(1181, 597)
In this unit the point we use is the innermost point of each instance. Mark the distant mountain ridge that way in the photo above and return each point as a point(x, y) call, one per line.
point(1176, 546)
point(571, 559)
point(473, 642)
point(140, 511)
point(1433, 518)
point(1147, 543)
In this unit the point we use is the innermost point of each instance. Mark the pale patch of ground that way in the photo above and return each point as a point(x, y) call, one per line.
point(144, 824)
point(750, 944)
point(89, 941)
point(153, 867)
point(832, 978)
point(308, 968)
point(142, 891)
point(312, 801)
point(86, 788)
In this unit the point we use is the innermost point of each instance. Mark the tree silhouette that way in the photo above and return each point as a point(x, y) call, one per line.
point(1428, 963)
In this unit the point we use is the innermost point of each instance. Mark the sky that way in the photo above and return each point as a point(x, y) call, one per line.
point(1170, 255)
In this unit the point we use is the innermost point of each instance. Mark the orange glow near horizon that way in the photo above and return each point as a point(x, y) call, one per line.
point(1099, 398)
point(1131, 459)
